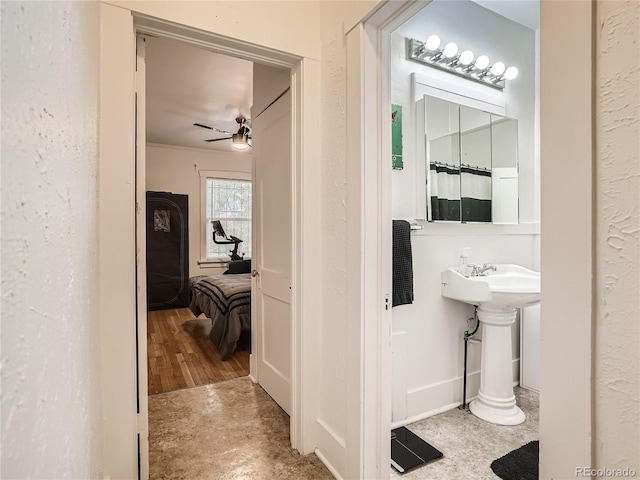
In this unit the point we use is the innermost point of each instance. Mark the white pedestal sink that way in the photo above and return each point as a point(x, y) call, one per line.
point(497, 294)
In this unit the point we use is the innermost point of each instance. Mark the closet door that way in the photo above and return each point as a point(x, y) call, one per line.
point(167, 250)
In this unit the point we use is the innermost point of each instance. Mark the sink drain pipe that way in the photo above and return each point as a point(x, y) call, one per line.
point(467, 337)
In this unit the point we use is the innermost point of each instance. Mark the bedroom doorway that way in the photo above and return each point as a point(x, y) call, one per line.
point(178, 341)
point(208, 202)
point(194, 177)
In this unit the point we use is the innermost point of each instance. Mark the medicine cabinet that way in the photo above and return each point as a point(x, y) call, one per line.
point(471, 162)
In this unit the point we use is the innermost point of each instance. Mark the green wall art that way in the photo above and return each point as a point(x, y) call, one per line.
point(396, 137)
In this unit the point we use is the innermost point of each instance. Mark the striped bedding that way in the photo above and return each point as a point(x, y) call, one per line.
point(226, 300)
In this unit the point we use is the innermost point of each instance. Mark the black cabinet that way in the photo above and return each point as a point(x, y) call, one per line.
point(167, 250)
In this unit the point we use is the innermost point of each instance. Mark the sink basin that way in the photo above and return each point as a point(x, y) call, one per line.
point(509, 286)
point(497, 295)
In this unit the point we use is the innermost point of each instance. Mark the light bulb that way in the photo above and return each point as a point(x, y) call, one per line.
point(482, 62)
point(497, 68)
point(450, 50)
point(240, 141)
point(432, 43)
point(466, 57)
point(511, 73)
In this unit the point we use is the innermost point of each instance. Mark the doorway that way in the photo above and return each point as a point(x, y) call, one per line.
point(560, 99)
point(193, 98)
point(224, 183)
point(124, 435)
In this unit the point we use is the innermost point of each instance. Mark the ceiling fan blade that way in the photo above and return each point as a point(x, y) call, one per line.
point(212, 128)
point(217, 139)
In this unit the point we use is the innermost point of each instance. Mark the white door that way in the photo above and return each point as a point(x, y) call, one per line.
point(271, 132)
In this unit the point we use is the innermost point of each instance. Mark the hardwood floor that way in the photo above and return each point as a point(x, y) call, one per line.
point(180, 354)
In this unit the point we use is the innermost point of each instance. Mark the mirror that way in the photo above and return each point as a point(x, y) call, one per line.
point(475, 165)
point(504, 169)
point(443, 158)
point(472, 163)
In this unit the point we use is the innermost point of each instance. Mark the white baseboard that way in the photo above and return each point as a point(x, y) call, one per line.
point(253, 368)
point(422, 416)
point(327, 464)
point(429, 400)
point(331, 448)
point(438, 397)
point(531, 389)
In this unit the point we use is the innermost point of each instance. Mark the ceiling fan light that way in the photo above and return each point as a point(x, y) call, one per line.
point(240, 141)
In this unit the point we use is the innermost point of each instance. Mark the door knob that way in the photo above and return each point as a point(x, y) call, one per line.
point(254, 273)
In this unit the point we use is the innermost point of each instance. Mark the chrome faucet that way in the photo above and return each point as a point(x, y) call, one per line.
point(477, 271)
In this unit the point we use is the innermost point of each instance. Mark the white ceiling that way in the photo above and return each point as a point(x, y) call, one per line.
point(187, 85)
point(524, 12)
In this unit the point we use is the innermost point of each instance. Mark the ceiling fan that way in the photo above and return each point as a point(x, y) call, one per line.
point(241, 139)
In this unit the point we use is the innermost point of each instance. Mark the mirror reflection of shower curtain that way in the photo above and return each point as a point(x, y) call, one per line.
point(476, 201)
point(445, 191)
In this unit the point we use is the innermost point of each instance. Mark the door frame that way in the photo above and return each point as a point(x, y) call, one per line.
point(118, 245)
point(141, 257)
point(566, 119)
point(369, 234)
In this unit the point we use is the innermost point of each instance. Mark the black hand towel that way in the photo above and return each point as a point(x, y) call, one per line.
point(402, 263)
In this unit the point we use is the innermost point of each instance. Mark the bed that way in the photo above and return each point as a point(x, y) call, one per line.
point(226, 300)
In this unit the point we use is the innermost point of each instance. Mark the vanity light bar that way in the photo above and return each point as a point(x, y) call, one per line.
point(462, 64)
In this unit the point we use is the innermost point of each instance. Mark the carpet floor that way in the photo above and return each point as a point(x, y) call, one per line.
point(227, 430)
point(470, 444)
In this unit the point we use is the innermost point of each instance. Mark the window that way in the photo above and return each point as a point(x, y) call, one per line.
point(227, 200)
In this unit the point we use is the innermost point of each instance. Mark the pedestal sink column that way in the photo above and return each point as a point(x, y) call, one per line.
point(496, 402)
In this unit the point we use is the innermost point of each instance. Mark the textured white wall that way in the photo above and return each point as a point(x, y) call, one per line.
point(336, 440)
point(175, 169)
point(333, 220)
point(51, 400)
point(274, 24)
point(617, 332)
point(429, 332)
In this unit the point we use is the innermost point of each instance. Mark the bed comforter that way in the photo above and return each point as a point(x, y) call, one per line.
point(226, 300)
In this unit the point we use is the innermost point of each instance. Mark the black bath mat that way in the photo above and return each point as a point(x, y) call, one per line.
point(520, 464)
point(408, 450)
